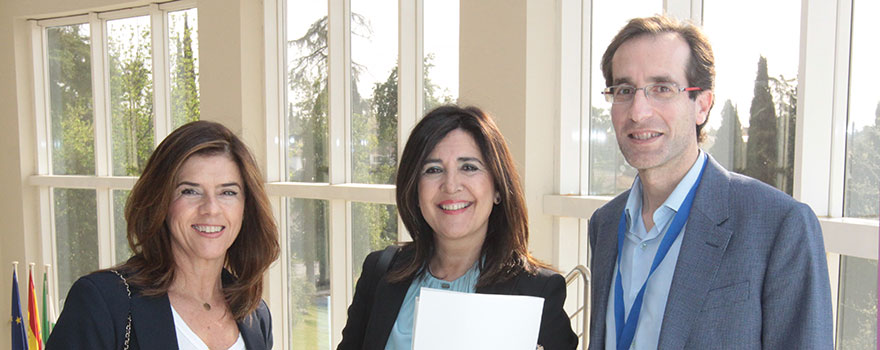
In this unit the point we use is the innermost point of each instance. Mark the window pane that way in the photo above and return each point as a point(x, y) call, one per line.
point(857, 308)
point(120, 230)
point(441, 52)
point(308, 277)
point(373, 91)
point(70, 100)
point(609, 172)
point(76, 236)
point(373, 227)
point(306, 106)
point(131, 93)
point(183, 46)
point(757, 76)
point(863, 139)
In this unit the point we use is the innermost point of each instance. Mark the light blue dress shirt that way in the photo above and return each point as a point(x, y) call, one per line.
point(401, 333)
point(639, 248)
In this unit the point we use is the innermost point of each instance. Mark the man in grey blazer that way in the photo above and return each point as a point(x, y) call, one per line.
point(694, 256)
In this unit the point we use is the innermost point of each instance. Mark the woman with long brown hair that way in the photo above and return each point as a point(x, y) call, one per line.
point(202, 233)
point(460, 198)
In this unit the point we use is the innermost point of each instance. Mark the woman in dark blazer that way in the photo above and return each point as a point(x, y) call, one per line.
point(202, 233)
point(460, 198)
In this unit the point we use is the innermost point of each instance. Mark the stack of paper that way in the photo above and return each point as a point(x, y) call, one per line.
point(463, 321)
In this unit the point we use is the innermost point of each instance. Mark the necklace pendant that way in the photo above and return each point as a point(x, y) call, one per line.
point(207, 306)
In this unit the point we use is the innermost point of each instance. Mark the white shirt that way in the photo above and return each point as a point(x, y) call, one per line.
point(188, 340)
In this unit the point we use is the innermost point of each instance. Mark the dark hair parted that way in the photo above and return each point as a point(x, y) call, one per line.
point(152, 267)
point(505, 249)
point(700, 70)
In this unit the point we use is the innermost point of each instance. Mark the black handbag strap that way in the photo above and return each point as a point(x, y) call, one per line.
point(385, 260)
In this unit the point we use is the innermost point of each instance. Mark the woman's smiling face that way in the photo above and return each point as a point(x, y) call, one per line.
point(456, 190)
point(207, 208)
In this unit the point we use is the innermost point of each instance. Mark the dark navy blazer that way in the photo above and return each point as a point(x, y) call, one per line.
point(95, 315)
point(376, 303)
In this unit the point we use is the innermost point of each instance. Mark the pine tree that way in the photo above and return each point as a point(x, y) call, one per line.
point(761, 149)
point(184, 81)
point(729, 148)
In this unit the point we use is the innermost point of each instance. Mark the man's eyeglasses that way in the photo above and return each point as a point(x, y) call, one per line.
point(624, 93)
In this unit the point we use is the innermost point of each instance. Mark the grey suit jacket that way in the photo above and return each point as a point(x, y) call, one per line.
point(751, 273)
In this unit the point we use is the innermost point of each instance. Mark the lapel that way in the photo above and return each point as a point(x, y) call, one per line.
point(387, 301)
point(251, 332)
point(604, 259)
point(152, 322)
point(702, 248)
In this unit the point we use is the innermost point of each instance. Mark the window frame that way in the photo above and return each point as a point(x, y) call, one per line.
point(340, 191)
point(102, 182)
point(822, 101)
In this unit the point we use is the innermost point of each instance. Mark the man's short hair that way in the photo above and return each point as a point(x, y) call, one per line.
point(700, 70)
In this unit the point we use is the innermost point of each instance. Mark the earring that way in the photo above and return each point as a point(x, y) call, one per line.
point(497, 199)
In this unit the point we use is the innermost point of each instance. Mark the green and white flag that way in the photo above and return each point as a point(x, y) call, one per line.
point(48, 307)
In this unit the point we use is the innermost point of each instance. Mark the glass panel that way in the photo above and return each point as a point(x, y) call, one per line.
point(441, 52)
point(373, 91)
point(70, 100)
point(76, 236)
point(609, 172)
point(131, 93)
point(857, 308)
point(306, 152)
point(863, 141)
point(373, 227)
point(759, 74)
point(308, 276)
point(120, 229)
point(183, 44)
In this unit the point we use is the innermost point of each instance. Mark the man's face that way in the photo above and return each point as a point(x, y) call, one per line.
point(652, 134)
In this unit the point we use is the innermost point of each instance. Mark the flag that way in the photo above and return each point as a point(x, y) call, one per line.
point(48, 308)
point(18, 333)
point(34, 340)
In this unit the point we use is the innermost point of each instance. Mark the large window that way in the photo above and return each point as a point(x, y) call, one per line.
point(793, 108)
point(752, 127)
point(102, 77)
point(609, 172)
point(348, 101)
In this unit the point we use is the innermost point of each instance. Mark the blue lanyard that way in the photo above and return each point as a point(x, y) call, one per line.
point(627, 330)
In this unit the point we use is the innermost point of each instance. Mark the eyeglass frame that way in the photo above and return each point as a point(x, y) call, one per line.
point(609, 91)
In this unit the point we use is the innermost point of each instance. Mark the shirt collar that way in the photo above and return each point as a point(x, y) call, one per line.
point(634, 201)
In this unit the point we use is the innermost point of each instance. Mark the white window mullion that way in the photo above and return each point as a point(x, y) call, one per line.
point(410, 78)
point(39, 42)
point(276, 96)
point(101, 95)
point(839, 114)
point(339, 90)
point(161, 86)
point(103, 132)
point(340, 267)
point(104, 204)
point(275, 101)
point(814, 105)
point(277, 286)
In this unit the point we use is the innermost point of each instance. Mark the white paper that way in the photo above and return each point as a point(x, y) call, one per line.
point(462, 321)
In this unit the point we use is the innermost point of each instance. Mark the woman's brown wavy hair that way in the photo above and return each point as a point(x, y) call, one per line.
point(505, 250)
point(152, 267)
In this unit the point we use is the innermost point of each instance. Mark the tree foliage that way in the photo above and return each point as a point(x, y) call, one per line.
point(131, 99)
point(729, 148)
point(185, 105)
point(863, 171)
point(762, 147)
point(73, 152)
